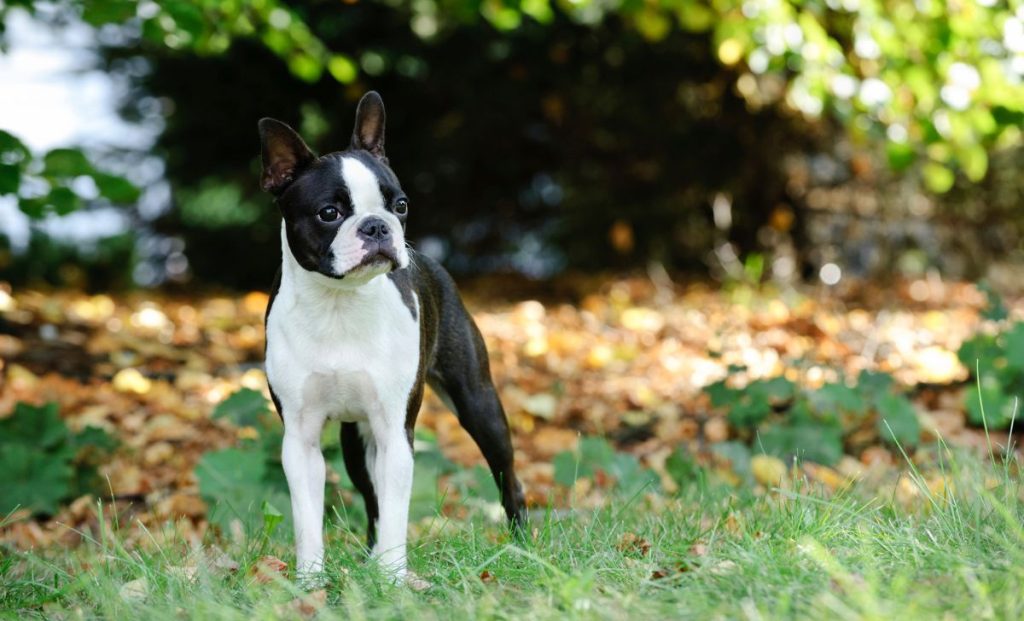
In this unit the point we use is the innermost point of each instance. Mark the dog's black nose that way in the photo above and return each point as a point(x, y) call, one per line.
point(374, 229)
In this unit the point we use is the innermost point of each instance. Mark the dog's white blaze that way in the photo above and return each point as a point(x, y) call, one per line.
point(367, 201)
point(363, 188)
point(346, 349)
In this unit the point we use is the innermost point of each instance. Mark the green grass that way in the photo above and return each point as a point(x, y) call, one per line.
point(715, 552)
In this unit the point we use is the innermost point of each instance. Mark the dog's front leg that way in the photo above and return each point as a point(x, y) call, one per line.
point(304, 468)
point(392, 476)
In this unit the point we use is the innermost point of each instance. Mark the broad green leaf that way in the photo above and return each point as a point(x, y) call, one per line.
point(596, 452)
point(809, 441)
point(102, 12)
point(753, 409)
point(981, 349)
point(32, 207)
point(63, 200)
point(737, 454)
point(231, 482)
point(566, 465)
point(187, 17)
point(995, 309)
point(32, 478)
point(897, 420)
point(837, 398)
point(681, 466)
point(10, 178)
point(92, 445)
point(992, 407)
point(873, 383)
point(61, 163)
point(38, 426)
point(244, 408)
point(1014, 339)
point(631, 477)
point(12, 150)
point(116, 189)
point(721, 395)
point(777, 388)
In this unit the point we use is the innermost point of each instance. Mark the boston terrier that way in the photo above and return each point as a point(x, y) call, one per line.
point(357, 323)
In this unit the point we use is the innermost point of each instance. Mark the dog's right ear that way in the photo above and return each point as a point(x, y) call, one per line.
point(284, 155)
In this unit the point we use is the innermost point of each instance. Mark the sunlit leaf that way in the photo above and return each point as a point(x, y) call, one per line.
point(342, 68)
point(937, 177)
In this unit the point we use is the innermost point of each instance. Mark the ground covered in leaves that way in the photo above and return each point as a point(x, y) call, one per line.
point(613, 386)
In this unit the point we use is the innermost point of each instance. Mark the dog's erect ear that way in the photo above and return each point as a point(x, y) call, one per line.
point(369, 131)
point(284, 155)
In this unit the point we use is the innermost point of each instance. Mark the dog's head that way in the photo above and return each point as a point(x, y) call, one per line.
point(344, 213)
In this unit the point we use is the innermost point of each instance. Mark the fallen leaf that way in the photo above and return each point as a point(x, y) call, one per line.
point(267, 569)
point(630, 543)
point(305, 606)
point(130, 380)
point(134, 591)
point(416, 583)
point(716, 430)
point(768, 470)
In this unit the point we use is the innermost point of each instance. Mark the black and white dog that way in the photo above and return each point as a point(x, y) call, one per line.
point(357, 323)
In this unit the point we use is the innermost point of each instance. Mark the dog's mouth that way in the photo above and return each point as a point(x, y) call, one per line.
point(378, 256)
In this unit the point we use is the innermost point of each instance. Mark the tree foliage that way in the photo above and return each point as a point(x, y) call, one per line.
point(600, 105)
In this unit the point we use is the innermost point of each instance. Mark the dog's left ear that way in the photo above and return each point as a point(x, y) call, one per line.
point(284, 154)
point(369, 131)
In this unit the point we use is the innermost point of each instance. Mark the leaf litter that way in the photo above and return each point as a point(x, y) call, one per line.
point(620, 359)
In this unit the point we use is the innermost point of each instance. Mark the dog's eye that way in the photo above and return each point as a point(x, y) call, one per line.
point(401, 207)
point(328, 214)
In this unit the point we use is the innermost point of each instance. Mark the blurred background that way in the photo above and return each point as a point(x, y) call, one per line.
point(763, 139)
point(701, 238)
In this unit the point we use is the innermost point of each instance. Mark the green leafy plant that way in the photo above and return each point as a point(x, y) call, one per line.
point(783, 419)
point(246, 483)
point(48, 184)
point(240, 483)
point(596, 458)
point(996, 363)
point(44, 463)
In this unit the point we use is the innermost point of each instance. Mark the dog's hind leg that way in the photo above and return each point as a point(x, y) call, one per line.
point(353, 449)
point(462, 378)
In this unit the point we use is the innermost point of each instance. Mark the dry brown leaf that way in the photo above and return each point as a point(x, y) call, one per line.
point(268, 569)
point(630, 543)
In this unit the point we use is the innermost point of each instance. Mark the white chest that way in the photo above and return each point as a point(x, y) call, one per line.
point(348, 354)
